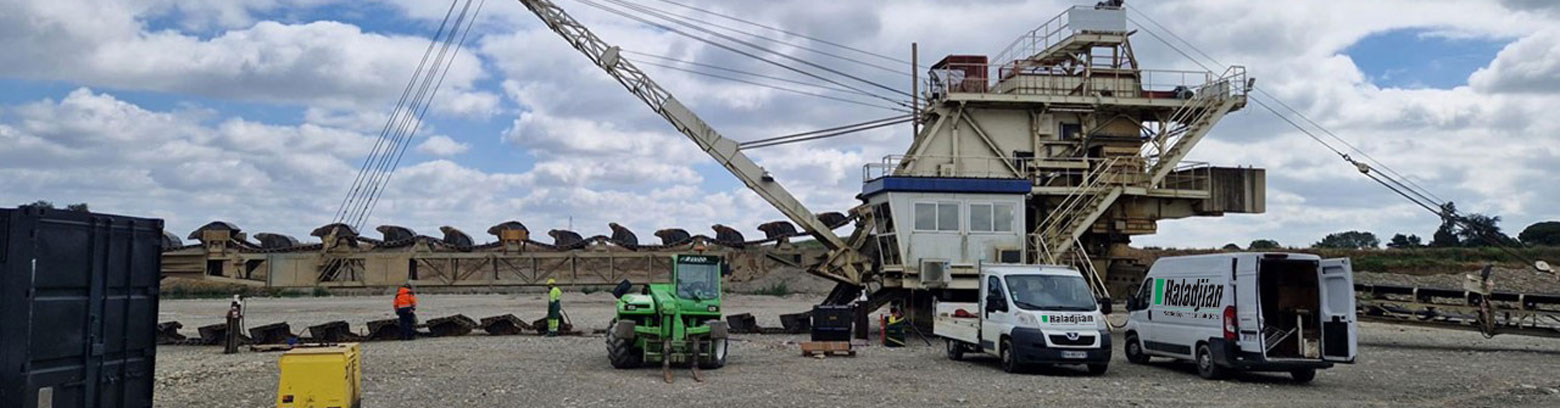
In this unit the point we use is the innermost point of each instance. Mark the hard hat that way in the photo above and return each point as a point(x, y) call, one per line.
point(551, 281)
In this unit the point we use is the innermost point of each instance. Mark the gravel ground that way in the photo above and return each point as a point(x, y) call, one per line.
point(1399, 366)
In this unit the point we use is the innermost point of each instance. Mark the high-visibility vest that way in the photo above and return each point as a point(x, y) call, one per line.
point(554, 295)
point(404, 298)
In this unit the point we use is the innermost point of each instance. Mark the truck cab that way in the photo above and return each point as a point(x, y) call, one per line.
point(1029, 315)
point(1245, 312)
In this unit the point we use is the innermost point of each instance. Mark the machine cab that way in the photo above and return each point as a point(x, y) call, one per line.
point(696, 278)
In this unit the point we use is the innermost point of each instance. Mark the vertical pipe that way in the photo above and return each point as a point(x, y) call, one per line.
point(915, 91)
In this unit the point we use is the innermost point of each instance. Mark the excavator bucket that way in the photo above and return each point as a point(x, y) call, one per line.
point(199, 233)
point(275, 241)
point(455, 238)
point(342, 232)
point(498, 230)
point(622, 236)
point(833, 219)
point(171, 241)
point(728, 236)
point(394, 233)
point(777, 229)
point(673, 236)
point(565, 238)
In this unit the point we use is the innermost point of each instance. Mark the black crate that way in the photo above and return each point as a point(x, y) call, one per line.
point(832, 322)
point(78, 308)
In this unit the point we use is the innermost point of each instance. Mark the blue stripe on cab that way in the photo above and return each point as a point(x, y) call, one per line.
point(945, 185)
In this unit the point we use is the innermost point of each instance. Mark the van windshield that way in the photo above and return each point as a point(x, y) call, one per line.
point(1050, 292)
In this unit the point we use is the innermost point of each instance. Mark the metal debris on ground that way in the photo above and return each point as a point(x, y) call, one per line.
point(274, 333)
point(456, 325)
point(504, 325)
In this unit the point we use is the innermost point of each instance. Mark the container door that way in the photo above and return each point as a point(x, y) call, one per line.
point(1339, 327)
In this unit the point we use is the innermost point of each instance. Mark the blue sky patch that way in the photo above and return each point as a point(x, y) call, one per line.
point(1417, 58)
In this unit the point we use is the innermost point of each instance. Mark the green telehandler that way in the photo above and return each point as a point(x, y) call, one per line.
point(677, 322)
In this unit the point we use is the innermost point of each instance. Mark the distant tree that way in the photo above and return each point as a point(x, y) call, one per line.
point(1541, 233)
point(1349, 240)
point(1400, 241)
point(1231, 247)
point(39, 204)
point(1446, 234)
point(80, 207)
point(1480, 230)
point(1263, 244)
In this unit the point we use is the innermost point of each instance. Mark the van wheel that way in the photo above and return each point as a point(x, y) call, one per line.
point(1135, 354)
point(955, 350)
point(1008, 360)
point(1205, 365)
point(1304, 375)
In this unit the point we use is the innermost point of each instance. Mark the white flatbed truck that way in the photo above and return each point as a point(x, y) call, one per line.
point(1029, 315)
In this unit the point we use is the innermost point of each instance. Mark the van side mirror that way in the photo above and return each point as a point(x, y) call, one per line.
point(1105, 306)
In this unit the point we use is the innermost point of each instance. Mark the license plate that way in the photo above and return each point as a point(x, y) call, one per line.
point(1075, 354)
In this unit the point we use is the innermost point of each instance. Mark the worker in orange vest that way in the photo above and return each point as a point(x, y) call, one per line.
point(405, 309)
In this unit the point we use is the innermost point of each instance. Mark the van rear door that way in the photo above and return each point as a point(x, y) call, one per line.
point(1339, 326)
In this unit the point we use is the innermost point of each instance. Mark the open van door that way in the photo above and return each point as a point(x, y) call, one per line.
point(1340, 331)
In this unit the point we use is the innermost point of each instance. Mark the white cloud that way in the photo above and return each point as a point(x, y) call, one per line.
point(442, 146)
point(600, 155)
point(321, 63)
point(1529, 65)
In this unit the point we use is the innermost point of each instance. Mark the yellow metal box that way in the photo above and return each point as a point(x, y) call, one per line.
point(321, 377)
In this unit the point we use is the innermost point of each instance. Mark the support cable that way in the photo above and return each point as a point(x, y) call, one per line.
point(1416, 194)
point(786, 32)
point(696, 27)
point(357, 184)
point(749, 73)
point(826, 135)
point(683, 17)
point(1417, 189)
point(409, 123)
point(808, 133)
point(775, 87)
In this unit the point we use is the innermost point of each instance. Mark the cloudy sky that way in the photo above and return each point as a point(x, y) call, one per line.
point(259, 112)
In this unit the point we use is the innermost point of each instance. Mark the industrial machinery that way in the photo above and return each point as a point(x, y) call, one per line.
point(677, 322)
point(1074, 146)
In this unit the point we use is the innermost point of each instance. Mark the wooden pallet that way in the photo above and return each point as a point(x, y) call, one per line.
point(827, 348)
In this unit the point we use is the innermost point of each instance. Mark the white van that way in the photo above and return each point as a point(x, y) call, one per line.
point(1245, 311)
point(1028, 315)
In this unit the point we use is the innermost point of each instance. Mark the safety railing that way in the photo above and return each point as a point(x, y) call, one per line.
point(1192, 176)
point(1126, 83)
point(945, 166)
point(1074, 20)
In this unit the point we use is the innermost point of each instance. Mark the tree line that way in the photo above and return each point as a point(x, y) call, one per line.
point(1475, 230)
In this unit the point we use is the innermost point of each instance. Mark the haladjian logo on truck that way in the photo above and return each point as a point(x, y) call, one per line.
point(1067, 318)
point(1187, 293)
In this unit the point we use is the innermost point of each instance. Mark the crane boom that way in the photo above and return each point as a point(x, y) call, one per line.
point(842, 259)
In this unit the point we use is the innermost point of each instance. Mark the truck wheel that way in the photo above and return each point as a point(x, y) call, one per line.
point(1098, 369)
point(718, 358)
point(1304, 375)
point(1205, 365)
point(621, 352)
point(1134, 350)
point(1009, 361)
point(955, 350)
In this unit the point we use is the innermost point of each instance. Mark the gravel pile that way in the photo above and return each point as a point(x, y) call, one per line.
point(1398, 366)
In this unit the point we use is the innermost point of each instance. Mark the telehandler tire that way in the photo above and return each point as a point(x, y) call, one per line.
point(621, 351)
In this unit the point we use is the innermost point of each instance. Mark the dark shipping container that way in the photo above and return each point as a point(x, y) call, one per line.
point(832, 322)
point(78, 309)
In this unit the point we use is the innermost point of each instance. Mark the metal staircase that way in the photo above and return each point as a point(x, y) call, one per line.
point(1191, 122)
point(1072, 217)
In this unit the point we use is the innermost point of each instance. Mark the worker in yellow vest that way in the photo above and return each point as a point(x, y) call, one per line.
point(554, 306)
